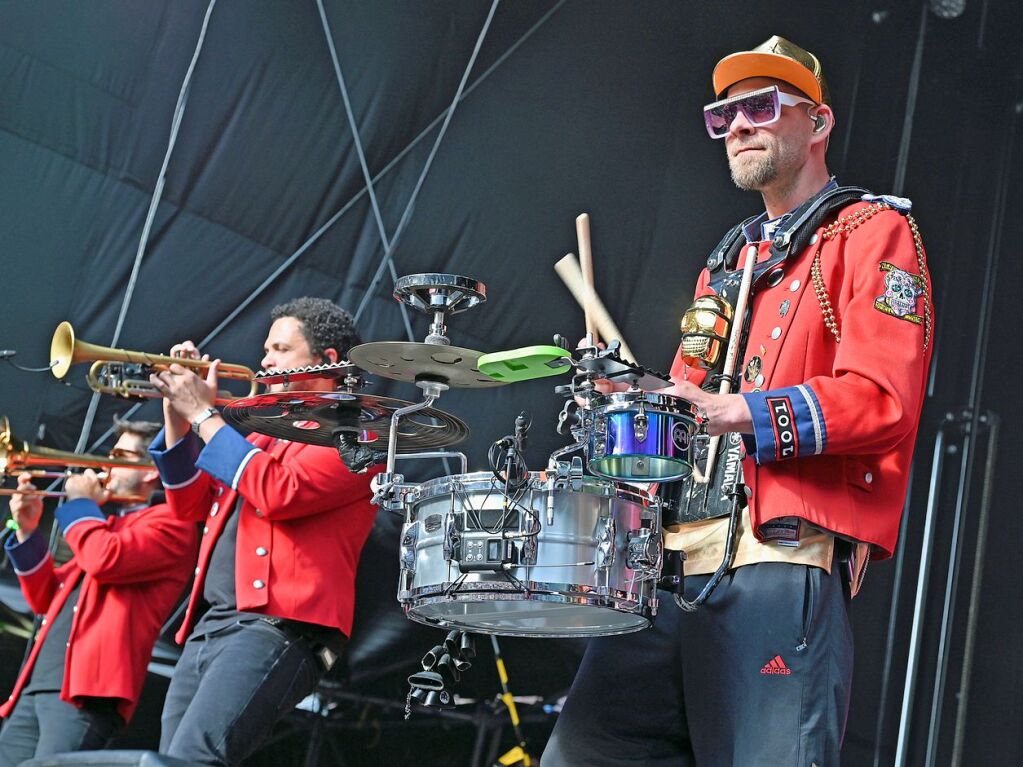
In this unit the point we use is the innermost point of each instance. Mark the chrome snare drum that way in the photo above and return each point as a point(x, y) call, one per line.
point(640, 436)
point(558, 557)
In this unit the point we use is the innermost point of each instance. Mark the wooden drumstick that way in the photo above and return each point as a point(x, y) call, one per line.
point(582, 233)
point(570, 273)
point(731, 354)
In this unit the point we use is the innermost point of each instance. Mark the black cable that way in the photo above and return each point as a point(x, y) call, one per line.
point(7, 356)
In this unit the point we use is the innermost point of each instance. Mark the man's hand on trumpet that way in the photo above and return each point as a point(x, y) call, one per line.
point(26, 509)
point(186, 395)
point(724, 412)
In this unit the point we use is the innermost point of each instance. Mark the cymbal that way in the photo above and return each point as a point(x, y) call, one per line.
point(416, 361)
point(315, 417)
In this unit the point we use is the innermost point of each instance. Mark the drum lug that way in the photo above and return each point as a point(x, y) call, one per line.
point(407, 550)
point(644, 552)
point(599, 436)
point(606, 544)
point(450, 538)
point(641, 424)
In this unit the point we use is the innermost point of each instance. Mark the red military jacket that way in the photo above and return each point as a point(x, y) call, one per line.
point(303, 522)
point(834, 421)
point(133, 570)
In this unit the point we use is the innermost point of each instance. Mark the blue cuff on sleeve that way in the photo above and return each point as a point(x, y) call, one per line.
point(78, 510)
point(787, 423)
point(28, 555)
point(226, 455)
point(176, 464)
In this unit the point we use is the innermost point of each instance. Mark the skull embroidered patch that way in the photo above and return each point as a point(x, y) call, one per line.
point(902, 291)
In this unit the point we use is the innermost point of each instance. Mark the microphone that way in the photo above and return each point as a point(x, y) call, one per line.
point(522, 423)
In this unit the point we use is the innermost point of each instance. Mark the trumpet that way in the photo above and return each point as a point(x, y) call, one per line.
point(17, 456)
point(125, 373)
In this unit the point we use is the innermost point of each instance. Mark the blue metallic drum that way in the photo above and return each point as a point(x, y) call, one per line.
point(641, 436)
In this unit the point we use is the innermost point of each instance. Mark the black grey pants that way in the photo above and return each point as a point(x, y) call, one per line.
point(229, 689)
point(42, 724)
point(759, 675)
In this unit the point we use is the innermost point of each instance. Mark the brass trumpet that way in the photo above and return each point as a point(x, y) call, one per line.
point(17, 456)
point(125, 373)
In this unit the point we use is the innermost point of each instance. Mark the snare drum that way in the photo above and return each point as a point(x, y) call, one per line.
point(641, 436)
point(550, 560)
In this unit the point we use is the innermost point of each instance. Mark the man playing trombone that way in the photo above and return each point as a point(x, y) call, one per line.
point(285, 522)
point(102, 610)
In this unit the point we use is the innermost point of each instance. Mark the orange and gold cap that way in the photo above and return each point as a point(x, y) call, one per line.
point(778, 59)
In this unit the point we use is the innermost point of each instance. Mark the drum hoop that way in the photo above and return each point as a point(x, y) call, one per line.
point(623, 402)
point(644, 622)
point(530, 591)
point(443, 486)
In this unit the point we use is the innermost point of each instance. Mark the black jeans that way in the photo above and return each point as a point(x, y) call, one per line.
point(230, 687)
point(759, 676)
point(42, 724)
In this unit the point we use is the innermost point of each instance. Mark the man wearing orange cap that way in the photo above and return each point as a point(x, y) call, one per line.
point(828, 393)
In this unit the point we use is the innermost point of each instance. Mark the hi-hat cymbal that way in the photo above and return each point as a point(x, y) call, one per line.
point(415, 361)
point(315, 417)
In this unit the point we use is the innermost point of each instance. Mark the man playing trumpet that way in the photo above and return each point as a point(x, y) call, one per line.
point(102, 610)
point(284, 524)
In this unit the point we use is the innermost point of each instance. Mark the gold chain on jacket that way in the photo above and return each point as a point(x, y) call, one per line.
point(846, 224)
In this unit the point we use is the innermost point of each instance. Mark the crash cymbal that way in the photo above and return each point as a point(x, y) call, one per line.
point(315, 417)
point(414, 361)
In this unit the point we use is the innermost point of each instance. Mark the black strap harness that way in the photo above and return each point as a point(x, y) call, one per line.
point(791, 237)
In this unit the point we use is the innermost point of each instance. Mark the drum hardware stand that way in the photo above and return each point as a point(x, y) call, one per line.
point(388, 481)
point(517, 755)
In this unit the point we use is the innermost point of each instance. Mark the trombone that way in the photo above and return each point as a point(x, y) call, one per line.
point(17, 456)
point(125, 373)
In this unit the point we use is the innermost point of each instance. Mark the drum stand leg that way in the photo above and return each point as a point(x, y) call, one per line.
point(318, 735)
point(485, 723)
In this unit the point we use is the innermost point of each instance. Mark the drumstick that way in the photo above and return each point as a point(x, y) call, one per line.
point(731, 354)
point(582, 233)
point(570, 273)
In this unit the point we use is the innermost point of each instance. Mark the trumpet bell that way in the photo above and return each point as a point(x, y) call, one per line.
point(62, 349)
point(125, 373)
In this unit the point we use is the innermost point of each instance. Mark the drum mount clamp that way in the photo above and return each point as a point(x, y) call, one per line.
point(563, 475)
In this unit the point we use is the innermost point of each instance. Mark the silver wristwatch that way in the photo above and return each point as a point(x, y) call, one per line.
point(203, 417)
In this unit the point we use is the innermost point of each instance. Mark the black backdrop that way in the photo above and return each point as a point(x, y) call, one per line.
point(569, 107)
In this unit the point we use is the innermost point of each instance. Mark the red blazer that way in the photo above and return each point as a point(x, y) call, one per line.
point(835, 423)
point(133, 570)
point(304, 520)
